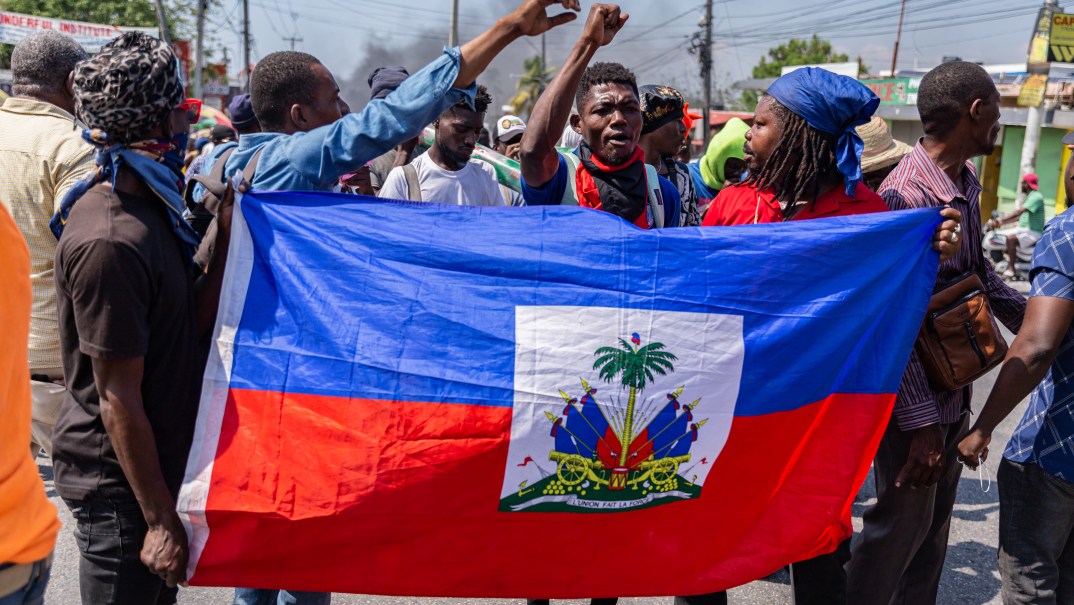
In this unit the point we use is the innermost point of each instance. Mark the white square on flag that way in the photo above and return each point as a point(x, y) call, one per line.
point(588, 379)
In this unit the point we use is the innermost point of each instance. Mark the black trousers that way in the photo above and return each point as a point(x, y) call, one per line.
point(608, 601)
point(109, 535)
point(817, 581)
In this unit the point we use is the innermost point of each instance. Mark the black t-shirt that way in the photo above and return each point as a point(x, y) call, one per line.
point(123, 290)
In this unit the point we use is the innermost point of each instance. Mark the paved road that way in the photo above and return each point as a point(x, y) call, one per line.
point(970, 576)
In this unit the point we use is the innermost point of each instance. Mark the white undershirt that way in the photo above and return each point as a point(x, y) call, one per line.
point(474, 185)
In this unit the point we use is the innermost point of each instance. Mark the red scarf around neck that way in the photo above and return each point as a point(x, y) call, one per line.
point(621, 182)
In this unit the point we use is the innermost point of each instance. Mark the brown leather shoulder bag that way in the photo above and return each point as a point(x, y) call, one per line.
point(960, 339)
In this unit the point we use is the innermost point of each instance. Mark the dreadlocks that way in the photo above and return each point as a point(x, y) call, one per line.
point(803, 159)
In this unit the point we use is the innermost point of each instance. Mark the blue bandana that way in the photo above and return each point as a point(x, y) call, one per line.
point(833, 104)
point(157, 176)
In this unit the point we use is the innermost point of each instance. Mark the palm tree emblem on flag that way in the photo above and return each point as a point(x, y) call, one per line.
point(616, 455)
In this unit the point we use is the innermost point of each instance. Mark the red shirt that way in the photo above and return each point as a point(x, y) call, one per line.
point(745, 205)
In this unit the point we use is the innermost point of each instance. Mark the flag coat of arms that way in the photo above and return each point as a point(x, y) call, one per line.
point(415, 399)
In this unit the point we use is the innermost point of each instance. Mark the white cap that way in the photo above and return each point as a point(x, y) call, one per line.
point(508, 126)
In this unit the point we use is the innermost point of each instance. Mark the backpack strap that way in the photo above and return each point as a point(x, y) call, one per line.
point(220, 166)
point(570, 192)
point(208, 241)
point(413, 189)
point(214, 183)
point(655, 196)
point(251, 167)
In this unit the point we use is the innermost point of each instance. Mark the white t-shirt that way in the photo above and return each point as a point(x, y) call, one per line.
point(474, 185)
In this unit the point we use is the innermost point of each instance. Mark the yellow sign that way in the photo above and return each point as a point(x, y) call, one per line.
point(1062, 38)
point(1061, 195)
point(1032, 94)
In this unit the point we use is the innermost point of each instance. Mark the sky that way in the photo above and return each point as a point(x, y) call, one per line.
point(351, 37)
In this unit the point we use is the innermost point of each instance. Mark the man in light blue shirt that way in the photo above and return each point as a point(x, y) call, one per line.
point(310, 137)
point(245, 123)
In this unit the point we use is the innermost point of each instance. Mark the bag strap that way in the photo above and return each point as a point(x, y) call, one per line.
point(220, 165)
point(212, 182)
point(570, 192)
point(251, 167)
point(413, 189)
point(654, 195)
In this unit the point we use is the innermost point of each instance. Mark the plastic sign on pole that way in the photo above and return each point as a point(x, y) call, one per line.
point(1033, 90)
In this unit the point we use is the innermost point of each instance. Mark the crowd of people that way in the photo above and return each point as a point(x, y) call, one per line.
point(115, 239)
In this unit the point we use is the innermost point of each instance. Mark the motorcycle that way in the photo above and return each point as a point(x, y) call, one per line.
point(995, 246)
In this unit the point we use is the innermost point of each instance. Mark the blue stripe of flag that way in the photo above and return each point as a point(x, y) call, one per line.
point(354, 297)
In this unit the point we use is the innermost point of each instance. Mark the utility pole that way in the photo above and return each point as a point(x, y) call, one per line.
point(453, 35)
point(1035, 113)
point(544, 68)
point(706, 75)
point(245, 43)
point(227, 73)
point(199, 51)
point(898, 37)
point(162, 23)
point(292, 40)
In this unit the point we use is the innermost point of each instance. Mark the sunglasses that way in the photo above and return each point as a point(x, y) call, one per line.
point(192, 107)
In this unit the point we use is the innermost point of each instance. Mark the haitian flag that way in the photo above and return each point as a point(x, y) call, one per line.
point(427, 400)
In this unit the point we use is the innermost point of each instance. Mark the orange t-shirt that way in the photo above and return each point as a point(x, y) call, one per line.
point(28, 521)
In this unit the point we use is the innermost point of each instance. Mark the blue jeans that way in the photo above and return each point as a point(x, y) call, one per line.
point(33, 592)
point(262, 596)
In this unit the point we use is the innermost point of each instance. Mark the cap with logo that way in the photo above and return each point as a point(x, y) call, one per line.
point(507, 127)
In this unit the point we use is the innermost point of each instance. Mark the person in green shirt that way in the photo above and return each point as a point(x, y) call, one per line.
point(1030, 219)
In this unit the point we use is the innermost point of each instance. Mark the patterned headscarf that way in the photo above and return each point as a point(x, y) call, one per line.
point(123, 94)
point(660, 105)
point(129, 88)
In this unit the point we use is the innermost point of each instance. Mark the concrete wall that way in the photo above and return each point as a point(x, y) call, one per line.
point(1049, 166)
point(906, 131)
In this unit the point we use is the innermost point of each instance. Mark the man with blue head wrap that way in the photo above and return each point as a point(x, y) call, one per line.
point(804, 160)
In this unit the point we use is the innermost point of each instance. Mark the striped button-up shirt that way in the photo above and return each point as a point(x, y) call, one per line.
point(42, 155)
point(917, 182)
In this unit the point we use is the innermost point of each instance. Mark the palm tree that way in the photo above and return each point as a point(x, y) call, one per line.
point(635, 366)
point(530, 85)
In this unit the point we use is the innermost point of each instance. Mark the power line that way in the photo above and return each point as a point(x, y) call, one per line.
point(635, 37)
point(335, 22)
point(871, 18)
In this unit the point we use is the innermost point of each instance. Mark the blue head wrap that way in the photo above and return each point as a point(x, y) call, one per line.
point(833, 104)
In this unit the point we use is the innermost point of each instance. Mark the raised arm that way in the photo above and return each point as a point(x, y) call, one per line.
point(529, 19)
point(324, 154)
point(549, 116)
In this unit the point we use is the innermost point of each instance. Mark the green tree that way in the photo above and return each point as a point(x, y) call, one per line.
point(179, 14)
point(635, 366)
point(794, 52)
point(534, 79)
